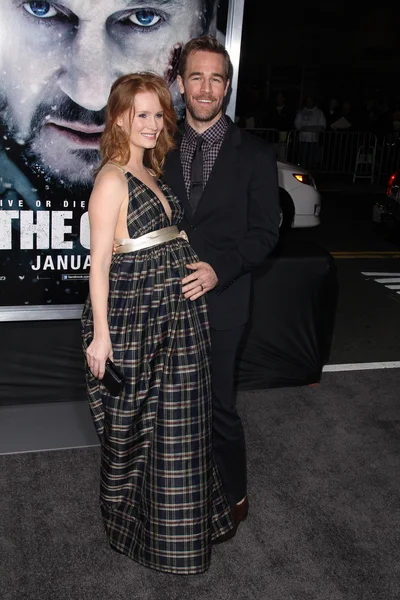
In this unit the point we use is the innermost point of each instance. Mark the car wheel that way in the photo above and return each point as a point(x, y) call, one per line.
point(287, 211)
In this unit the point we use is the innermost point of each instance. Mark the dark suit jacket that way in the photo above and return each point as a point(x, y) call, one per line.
point(236, 224)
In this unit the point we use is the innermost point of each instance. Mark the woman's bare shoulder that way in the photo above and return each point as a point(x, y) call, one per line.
point(110, 186)
point(110, 171)
point(110, 175)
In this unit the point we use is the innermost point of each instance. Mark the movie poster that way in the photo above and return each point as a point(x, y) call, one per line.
point(57, 63)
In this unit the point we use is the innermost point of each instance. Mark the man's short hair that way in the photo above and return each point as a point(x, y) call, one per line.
point(205, 43)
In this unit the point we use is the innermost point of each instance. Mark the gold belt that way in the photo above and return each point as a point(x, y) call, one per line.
point(154, 238)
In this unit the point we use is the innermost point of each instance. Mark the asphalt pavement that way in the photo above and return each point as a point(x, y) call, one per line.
point(367, 327)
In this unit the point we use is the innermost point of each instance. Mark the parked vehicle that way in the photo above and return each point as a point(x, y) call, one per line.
point(299, 197)
point(386, 211)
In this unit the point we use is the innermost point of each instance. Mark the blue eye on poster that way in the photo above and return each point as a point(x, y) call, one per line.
point(57, 63)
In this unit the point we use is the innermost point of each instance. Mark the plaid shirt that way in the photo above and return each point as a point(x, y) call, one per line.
point(212, 142)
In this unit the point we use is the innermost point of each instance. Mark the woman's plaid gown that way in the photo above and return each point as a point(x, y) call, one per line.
point(160, 494)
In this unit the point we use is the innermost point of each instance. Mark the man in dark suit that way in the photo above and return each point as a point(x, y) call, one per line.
point(227, 182)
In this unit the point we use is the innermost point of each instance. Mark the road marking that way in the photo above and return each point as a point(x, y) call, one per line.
point(365, 257)
point(380, 274)
point(388, 279)
point(395, 364)
point(386, 252)
point(366, 254)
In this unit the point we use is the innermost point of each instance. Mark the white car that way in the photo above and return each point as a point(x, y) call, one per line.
point(299, 197)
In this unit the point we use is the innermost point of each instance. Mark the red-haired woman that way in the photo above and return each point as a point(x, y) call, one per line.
point(160, 494)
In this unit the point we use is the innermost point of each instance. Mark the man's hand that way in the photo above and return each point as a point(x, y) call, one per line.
point(202, 280)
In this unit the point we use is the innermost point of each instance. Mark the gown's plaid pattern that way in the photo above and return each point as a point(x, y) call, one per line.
point(160, 493)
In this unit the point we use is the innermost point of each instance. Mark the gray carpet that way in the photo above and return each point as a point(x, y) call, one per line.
point(324, 516)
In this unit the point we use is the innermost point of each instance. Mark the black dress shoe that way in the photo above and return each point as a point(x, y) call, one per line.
point(239, 513)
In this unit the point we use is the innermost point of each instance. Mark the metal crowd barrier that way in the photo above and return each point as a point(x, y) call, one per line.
point(275, 137)
point(356, 153)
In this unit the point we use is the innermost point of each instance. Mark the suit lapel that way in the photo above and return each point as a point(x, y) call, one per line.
point(222, 168)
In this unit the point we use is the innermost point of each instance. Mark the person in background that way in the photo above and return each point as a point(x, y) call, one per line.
point(332, 113)
point(310, 122)
point(395, 122)
point(281, 118)
point(348, 118)
point(280, 115)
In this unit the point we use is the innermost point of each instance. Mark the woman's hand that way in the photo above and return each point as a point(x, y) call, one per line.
point(96, 355)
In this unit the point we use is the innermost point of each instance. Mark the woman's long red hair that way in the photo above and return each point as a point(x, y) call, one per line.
point(114, 142)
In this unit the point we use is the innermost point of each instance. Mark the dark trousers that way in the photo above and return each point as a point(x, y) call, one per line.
point(228, 435)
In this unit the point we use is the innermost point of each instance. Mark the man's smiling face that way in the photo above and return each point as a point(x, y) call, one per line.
point(204, 85)
point(58, 61)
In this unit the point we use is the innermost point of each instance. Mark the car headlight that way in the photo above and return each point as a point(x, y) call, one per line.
point(305, 178)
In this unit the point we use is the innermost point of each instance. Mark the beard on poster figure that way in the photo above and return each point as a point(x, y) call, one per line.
point(52, 111)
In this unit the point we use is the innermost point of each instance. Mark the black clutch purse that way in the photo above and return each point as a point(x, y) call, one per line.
point(113, 379)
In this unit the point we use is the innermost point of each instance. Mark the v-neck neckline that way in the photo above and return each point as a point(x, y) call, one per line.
point(154, 194)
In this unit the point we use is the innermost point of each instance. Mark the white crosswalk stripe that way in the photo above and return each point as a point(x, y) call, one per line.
point(391, 281)
point(380, 274)
point(388, 280)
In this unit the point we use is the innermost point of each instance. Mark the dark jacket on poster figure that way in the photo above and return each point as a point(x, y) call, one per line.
point(236, 224)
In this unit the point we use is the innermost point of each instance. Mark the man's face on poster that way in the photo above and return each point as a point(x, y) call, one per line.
point(58, 61)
